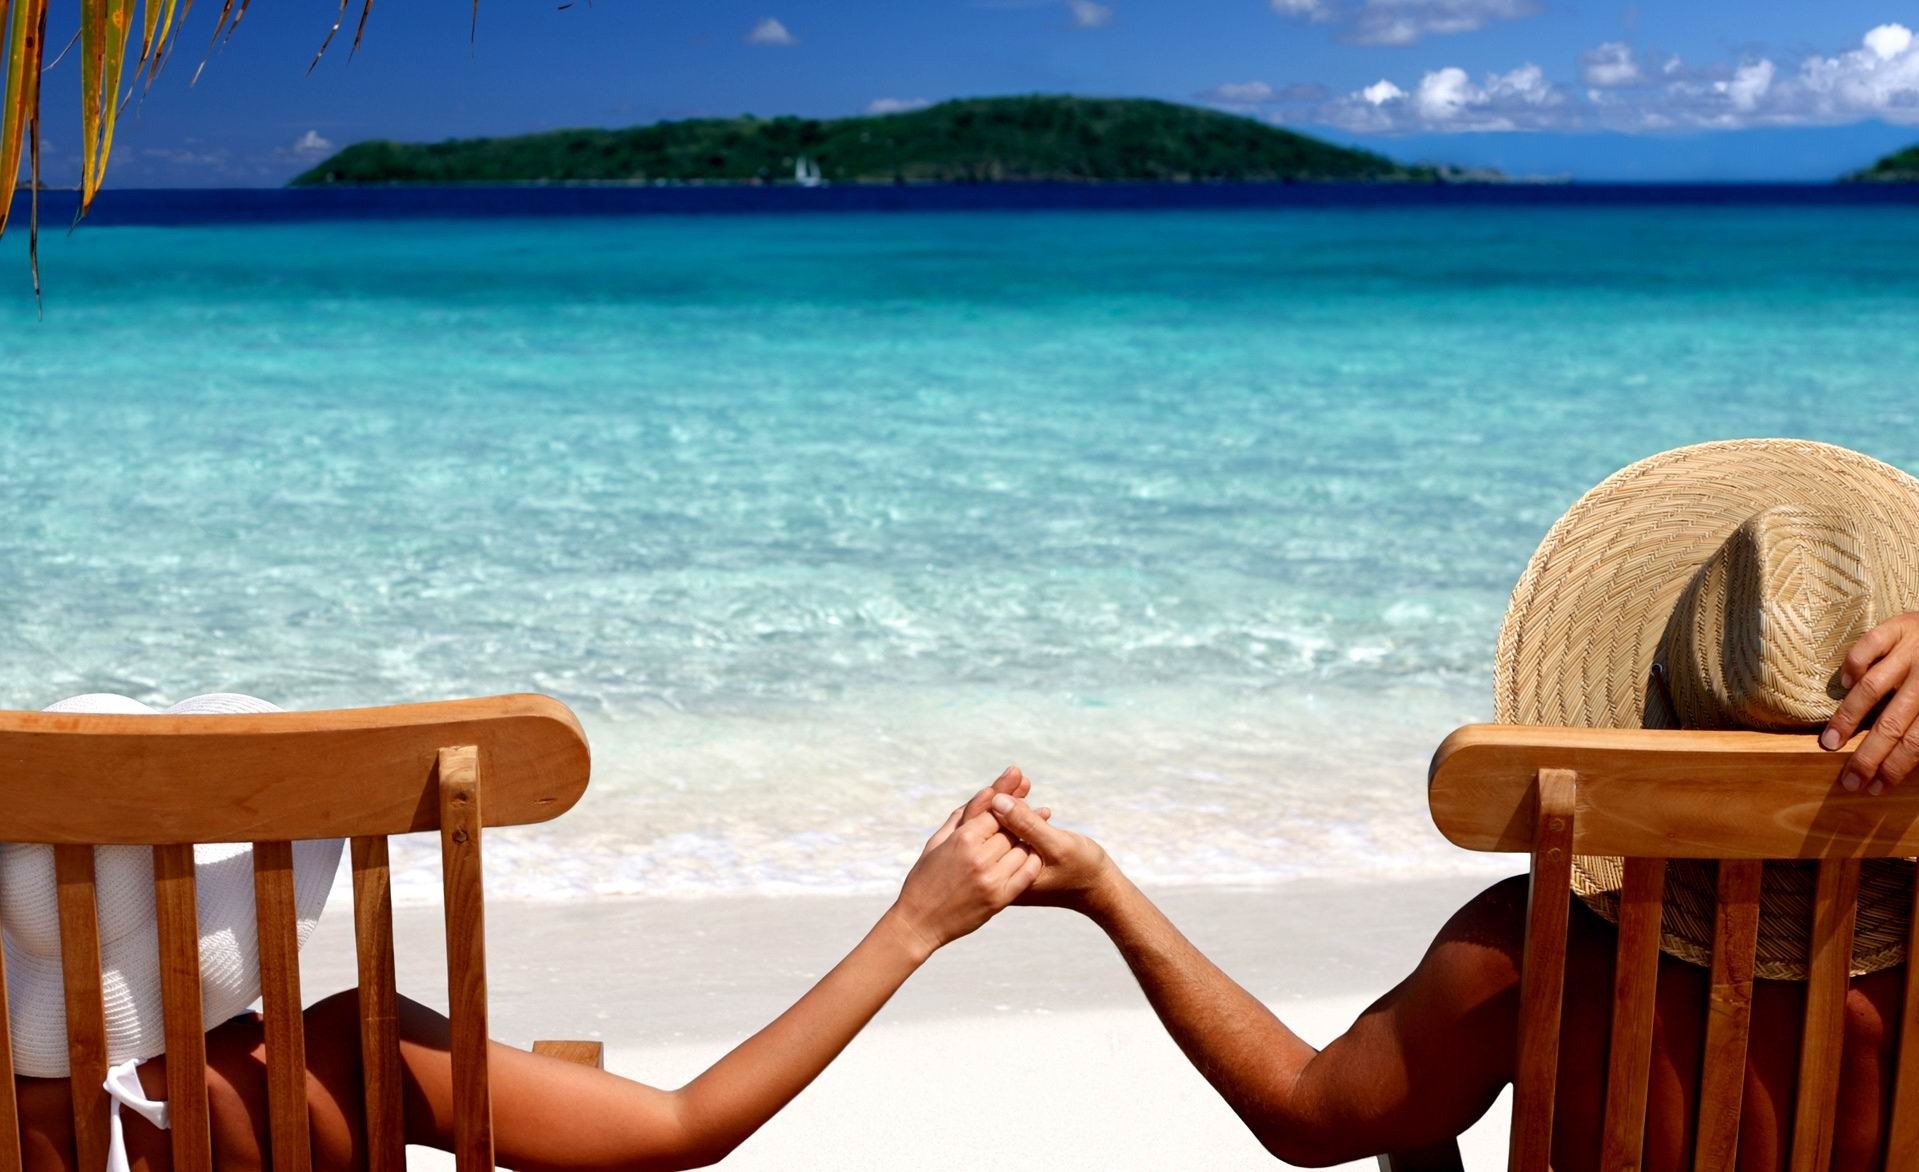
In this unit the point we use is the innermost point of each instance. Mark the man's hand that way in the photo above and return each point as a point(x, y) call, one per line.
point(1076, 867)
point(1010, 781)
point(1880, 663)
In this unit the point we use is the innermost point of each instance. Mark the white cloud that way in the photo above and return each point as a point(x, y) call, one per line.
point(896, 105)
point(1244, 95)
point(1889, 41)
point(770, 32)
point(1403, 22)
point(311, 143)
point(1449, 99)
point(1609, 66)
point(1312, 10)
point(1381, 92)
point(1880, 78)
point(1089, 13)
point(1443, 94)
point(1749, 83)
point(1626, 93)
point(185, 157)
point(1239, 93)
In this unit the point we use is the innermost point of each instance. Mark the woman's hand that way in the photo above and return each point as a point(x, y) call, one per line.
point(1077, 868)
point(1880, 663)
point(968, 872)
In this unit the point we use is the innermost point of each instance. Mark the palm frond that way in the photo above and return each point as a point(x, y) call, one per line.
point(150, 11)
point(93, 57)
point(119, 25)
point(213, 42)
point(339, 18)
point(163, 43)
point(239, 14)
point(26, 44)
point(359, 30)
point(106, 28)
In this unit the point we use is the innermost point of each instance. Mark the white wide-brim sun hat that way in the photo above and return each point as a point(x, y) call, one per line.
point(129, 939)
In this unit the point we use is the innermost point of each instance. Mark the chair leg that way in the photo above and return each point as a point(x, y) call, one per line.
point(1442, 1157)
point(578, 1053)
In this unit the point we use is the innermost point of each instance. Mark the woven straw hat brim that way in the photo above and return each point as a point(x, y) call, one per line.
point(1586, 618)
point(129, 945)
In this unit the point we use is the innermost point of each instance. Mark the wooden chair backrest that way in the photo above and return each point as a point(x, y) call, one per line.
point(77, 781)
point(1649, 796)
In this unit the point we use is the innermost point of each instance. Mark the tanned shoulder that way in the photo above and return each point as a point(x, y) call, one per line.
point(1469, 979)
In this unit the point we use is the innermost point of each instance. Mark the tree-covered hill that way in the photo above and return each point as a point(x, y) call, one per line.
point(1899, 167)
point(1039, 138)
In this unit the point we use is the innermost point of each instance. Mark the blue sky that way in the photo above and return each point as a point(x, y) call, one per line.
point(1691, 90)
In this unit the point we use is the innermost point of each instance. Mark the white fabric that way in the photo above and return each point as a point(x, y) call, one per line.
point(123, 1087)
point(129, 944)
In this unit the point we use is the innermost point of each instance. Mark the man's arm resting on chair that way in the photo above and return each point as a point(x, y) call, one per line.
point(1419, 1066)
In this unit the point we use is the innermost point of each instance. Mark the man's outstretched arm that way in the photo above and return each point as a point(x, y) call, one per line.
point(1418, 1067)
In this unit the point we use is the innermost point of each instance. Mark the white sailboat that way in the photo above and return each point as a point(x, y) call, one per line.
point(806, 173)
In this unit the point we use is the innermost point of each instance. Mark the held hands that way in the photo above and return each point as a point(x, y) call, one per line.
point(1077, 870)
point(968, 872)
point(1881, 663)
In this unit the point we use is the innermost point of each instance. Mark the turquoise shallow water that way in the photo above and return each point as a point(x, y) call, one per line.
point(1207, 518)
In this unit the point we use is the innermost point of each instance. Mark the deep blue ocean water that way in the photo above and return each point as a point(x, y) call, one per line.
point(1205, 515)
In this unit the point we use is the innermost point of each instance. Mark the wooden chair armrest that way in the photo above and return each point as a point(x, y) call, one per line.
point(1442, 1157)
point(578, 1053)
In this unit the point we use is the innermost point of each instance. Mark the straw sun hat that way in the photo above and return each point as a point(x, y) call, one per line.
point(1719, 586)
point(129, 943)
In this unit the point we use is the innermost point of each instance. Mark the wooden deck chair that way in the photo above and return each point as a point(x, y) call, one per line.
point(1649, 796)
point(77, 781)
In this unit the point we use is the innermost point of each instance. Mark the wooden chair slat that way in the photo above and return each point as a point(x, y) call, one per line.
point(176, 908)
point(1665, 794)
point(275, 779)
point(9, 1106)
point(86, 1013)
point(1902, 1148)
point(280, 775)
point(1834, 914)
point(280, 1004)
point(578, 1053)
point(461, 819)
point(1642, 899)
point(1722, 1078)
point(1543, 971)
point(379, 1019)
point(1442, 1157)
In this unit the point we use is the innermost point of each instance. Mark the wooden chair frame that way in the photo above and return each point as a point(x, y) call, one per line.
point(1649, 796)
point(80, 780)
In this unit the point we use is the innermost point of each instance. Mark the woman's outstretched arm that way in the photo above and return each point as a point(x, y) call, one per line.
point(551, 1115)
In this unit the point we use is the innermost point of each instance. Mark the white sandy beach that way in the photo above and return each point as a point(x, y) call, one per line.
point(1024, 1046)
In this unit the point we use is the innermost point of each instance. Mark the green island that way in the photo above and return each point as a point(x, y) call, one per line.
point(973, 140)
point(1898, 167)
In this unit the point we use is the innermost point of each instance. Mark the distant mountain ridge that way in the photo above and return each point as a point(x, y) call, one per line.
point(1898, 167)
point(972, 140)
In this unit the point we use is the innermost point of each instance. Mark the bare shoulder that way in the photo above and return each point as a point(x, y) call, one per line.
point(1476, 955)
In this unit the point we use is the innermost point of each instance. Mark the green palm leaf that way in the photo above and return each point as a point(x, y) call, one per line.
point(24, 49)
point(93, 54)
point(119, 22)
point(148, 27)
point(106, 26)
point(26, 45)
point(163, 45)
